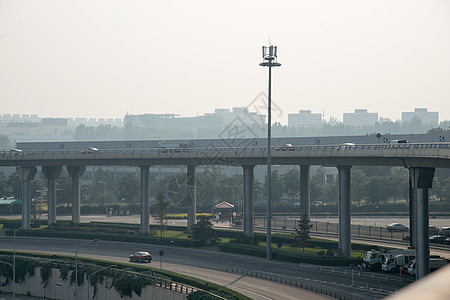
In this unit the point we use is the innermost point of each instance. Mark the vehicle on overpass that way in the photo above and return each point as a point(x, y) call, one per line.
point(91, 150)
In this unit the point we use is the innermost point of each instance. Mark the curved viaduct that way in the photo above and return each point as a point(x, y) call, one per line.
point(420, 158)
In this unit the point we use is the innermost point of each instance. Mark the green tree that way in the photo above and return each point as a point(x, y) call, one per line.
point(377, 191)
point(160, 212)
point(203, 230)
point(359, 184)
point(5, 142)
point(302, 232)
point(317, 184)
point(230, 189)
point(128, 186)
point(174, 189)
point(277, 187)
point(15, 185)
point(64, 188)
point(291, 183)
point(207, 187)
point(4, 188)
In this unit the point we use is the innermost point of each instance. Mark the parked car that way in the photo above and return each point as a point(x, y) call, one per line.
point(445, 231)
point(433, 230)
point(397, 227)
point(438, 239)
point(140, 256)
point(446, 241)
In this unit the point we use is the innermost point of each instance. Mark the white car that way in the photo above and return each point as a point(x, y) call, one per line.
point(397, 227)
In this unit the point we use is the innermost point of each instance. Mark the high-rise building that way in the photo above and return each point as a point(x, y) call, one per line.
point(360, 118)
point(304, 118)
point(427, 117)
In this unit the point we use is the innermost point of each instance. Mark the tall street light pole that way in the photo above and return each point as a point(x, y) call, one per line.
point(76, 264)
point(106, 208)
point(270, 60)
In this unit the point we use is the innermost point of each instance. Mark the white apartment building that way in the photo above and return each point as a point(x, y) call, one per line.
point(427, 117)
point(304, 118)
point(360, 118)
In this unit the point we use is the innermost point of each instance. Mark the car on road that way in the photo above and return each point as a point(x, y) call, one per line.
point(140, 256)
point(433, 230)
point(445, 231)
point(437, 239)
point(91, 150)
point(397, 227)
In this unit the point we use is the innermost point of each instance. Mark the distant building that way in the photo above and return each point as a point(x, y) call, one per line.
point(220, 118)
point(32, 127)
point(360, 118)
point(427, 117)
point(304, 118)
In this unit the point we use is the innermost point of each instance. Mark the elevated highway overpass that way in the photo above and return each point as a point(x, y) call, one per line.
point(420, 158)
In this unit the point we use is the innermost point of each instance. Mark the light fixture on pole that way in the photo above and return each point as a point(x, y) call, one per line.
point(76, 264)
point(270, 60)
point(106, 208)
point(95, 272)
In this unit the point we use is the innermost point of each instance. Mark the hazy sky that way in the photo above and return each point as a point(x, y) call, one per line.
point(108, 58)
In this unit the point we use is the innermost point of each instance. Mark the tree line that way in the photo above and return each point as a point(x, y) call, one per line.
point(369, 186)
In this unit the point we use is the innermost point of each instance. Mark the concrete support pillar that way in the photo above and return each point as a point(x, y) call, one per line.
point(51, 173)
point(422, 179)
point(248, 199)
point(305, 192)
point(26, 174)
point(412, 212)
point(344, 210)
point(76, 172)
point(145, 210)
point(191, 197)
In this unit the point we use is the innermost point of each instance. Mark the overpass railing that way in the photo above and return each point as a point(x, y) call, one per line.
point(206, 151)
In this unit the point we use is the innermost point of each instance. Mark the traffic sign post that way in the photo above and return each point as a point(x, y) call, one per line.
point(161, 253)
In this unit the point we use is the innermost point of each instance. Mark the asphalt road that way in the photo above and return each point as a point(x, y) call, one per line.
point(212, 266)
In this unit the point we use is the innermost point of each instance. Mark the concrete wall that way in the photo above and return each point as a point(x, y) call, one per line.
point(32, 286)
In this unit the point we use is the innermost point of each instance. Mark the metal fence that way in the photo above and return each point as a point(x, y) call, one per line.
point(325, 227)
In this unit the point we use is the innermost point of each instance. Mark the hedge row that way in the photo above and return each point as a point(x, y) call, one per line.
point(131, 238)
point(290, 257)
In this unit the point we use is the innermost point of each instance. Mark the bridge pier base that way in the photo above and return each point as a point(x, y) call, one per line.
point(248, 200)
point(192, 197)
point(26, 174)
point(145, 210)
point(51, 173)
point(344, 210)
point(422, 179)
point(76, 172)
